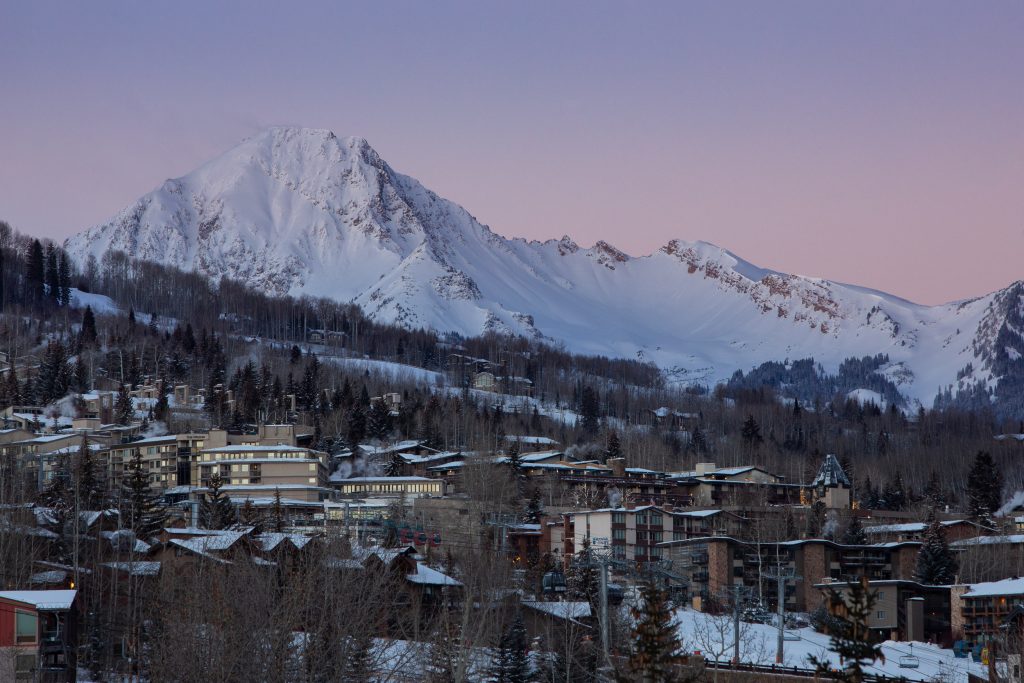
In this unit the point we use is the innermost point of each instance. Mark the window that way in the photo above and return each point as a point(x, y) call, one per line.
point(619, 534)
point(225, 471)
point(880, 614)
point(641, 518)
point(26, 627)
point(618, 518)
point(656, 519)
point(641, 537)
point(657, 536)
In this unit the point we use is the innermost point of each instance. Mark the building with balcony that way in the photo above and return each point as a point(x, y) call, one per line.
point(38, 636)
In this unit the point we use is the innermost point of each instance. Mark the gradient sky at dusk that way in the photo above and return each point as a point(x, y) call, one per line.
point(879, 143)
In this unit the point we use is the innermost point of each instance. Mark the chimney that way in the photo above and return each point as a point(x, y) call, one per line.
point(618, 466)
point(704, 467)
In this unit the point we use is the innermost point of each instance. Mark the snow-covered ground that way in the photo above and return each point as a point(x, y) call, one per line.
point(100, 304)
point(699, 631)
point(393, 371)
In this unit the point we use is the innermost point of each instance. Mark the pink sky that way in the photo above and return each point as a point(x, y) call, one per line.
point(875, 143)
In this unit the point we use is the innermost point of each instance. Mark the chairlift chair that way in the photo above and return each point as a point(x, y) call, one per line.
point(909, 661)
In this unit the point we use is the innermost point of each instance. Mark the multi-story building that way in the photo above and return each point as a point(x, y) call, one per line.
point(258, 471)
point(388, 487)
point(979, 610)
point(714, 564)
point(904, 610)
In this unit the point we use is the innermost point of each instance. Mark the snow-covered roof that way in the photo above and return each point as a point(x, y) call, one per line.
point(1009, 539)
point(42, 600)
point(538, 440)
point(380, 480)
point(907, 527)
point(562, 610)
point(431, 577)
point(698, 513)
point(171, 438)
point(257, 449)
point(831, 474)
point(271, 540)
point(1013, 586)
point(147, 568)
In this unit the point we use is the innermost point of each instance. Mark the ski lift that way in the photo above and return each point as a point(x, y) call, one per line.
point(553, 583)
point(910, 661)
point(790, 635)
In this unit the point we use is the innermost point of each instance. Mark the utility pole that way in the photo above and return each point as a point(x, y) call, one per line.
point(781, 575)
point(604, 613)
point(736, 624)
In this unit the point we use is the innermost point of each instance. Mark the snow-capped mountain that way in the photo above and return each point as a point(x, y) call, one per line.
point(303, 211)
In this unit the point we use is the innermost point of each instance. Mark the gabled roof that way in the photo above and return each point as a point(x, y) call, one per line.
point(42, 600)
point(431, 577)
point(831, 474)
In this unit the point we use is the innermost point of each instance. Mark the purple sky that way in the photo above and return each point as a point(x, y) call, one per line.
point(875, 143)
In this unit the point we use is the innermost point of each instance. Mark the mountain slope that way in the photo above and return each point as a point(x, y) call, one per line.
point(296, 210)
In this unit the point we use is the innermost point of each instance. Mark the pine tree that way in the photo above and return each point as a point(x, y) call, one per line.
point(751, 433)
point(512, 661)
point(356, 422)
point(534, 507)
point(35, 275)
point(854, 534)
point(52, 274)
point(216, 510)
point(613, 448)
point(64, 280)
point(815, 519)
point(582, 577)
point(698, 443)
point(984, 488)
point(934, 493)
point(656, 655)
point(54, 377)
point(894, 497)
point(852, 638)
point(589, 411)
point(936, 565)
point(378, 421)
point(88, 333)
point(124, 413)
point(277, 518)
point(141, 509)
point(394, 466)
point(249, 516)
point(91, 491)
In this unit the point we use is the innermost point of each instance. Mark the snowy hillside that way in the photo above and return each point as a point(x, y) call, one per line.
point(296, 210)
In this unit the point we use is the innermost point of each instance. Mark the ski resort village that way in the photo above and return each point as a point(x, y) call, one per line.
point(360, 502)
point(511, 342)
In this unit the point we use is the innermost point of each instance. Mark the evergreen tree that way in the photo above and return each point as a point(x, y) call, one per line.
point(656, 654)
point(394, 466)
point(936, 565)
point(534, 507)
point(124, 413)
point(88, 333)
point(216, 510)
point(815, 519)
point(248, 515)
point(35, 275)
point(698, 443)
point(589, 411)
point(613, 448)
point(356, 423)
point(934, 493)
point(894, 497)
point(854, 534)
point(852, 638)
point(64, 280)
point(52, 274)
point(751, 433)
point(277, 517)
point(378, 421)
point(511, 663)
point(582, 579)
point(141, 509)
point(984, 488)
point(54, 377)
point(91, 490)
